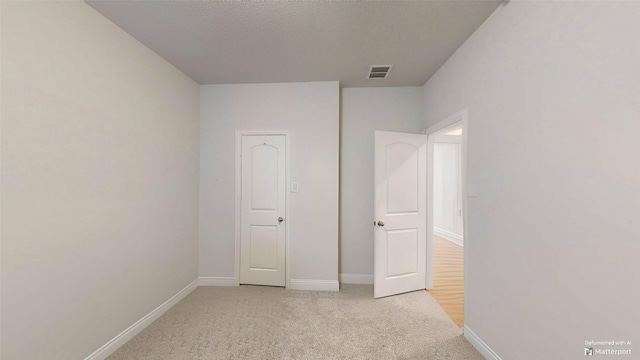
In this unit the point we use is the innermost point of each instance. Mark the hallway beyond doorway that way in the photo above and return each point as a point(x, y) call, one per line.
point(448, 279)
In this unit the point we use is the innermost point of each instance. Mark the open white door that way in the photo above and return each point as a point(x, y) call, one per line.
point(262, 238)
point(400, 213)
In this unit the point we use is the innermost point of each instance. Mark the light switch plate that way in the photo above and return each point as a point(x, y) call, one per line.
point(295, 187)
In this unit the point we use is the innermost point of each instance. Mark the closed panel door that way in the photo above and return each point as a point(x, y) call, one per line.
point(400, 213)
point(262, 238)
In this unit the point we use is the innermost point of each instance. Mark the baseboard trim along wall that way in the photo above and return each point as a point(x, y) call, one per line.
point(451, 236)
point(217, 281)
point(365, 279)
point(477, 343)
point(133, 330)
point(314, 285)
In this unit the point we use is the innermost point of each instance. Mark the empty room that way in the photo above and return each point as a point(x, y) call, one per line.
point(291, 180)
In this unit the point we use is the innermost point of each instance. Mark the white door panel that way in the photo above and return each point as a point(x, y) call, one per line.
point(403, 252)
point(262, 235)
point(402, 178)
point(263, 248)
point(400, 213)
point(264, 177)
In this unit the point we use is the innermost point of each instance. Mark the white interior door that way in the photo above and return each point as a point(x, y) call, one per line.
point(400, 213)
point(262, 228)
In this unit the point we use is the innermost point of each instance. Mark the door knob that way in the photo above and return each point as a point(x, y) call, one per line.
point(380, 223)
point(280, 219)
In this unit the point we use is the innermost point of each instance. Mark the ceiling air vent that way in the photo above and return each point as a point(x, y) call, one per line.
point(379, 71)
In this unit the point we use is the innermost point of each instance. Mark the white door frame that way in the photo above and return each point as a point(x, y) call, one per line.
point(239, 135)
point(461, 116)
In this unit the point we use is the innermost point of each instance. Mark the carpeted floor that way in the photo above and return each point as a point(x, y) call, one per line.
point(255, 322)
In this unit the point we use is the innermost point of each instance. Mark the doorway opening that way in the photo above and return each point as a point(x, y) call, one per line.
point(446, 228)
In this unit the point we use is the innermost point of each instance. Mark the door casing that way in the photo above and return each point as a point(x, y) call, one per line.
point(238, 214)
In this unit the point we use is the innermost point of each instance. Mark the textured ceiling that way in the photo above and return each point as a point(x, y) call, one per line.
point(264, 42)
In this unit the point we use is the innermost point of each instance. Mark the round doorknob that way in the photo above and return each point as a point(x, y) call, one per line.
point(380, 223)
point(280, 219)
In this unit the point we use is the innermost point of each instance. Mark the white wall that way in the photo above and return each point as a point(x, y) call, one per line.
point(363, 111)
point(99, 180)
point(310, 111)
point(447, 203)
point(553, 92)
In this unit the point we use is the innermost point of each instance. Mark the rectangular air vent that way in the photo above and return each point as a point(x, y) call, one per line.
point(377, 75)
point(379, 71)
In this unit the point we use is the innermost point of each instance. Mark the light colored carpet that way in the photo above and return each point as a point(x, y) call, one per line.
point(255, 322)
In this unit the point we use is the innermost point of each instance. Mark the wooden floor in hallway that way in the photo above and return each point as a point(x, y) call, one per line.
point(448, 278)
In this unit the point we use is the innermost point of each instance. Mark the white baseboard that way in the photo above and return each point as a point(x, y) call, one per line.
point(448, 235)
point(217, 281)
point(133, 330)
point(366, 279)
point(316, 285)
point(477, 343)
